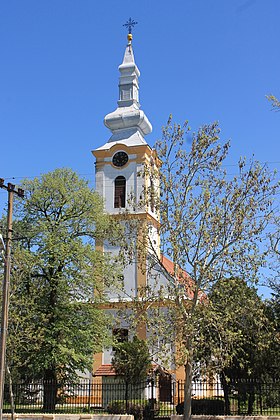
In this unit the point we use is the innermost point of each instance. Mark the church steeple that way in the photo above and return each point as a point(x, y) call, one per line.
point(121, 161)
point(128, 123)
point(126, 154)
point(128, 82)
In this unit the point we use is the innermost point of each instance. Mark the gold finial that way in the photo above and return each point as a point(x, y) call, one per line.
point(129, 25)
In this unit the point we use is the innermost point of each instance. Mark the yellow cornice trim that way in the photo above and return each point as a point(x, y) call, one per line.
point(143, 150)
point(127, 216)
point(166, 302)
point(143, 155)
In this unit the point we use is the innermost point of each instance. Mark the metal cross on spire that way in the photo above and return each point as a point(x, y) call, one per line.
point(130, 24)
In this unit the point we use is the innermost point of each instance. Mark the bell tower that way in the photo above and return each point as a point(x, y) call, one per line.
point(126, 166)
point(120, 163)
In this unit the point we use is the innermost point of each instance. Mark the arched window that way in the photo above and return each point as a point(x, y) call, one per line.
point(120, 183)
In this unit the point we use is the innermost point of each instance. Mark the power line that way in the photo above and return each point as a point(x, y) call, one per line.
point(92, 173)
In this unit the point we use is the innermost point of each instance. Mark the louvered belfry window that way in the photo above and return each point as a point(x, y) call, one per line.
point(120, 183)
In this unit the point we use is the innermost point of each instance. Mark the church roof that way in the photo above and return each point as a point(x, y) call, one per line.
point(182, 276)
point(108, 370)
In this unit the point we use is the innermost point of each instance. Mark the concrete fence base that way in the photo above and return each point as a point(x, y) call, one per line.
point(124, 417)
point(195, 417)
point(69, 417)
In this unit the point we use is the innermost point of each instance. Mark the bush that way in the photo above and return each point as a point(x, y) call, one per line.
point(116, 407)
point(151, 409)
point(133, 407)
point(208, 406)
point(139, 409)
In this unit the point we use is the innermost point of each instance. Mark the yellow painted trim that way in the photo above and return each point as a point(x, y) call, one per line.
point(97, 361)
point(122, 146)
point(141, 331)
point(137, 150)
point(144, 152)
point(143, 216)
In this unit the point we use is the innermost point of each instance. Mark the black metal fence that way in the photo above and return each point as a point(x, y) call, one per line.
point(147, 400)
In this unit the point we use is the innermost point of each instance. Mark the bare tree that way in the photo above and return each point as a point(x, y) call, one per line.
point(211, 228)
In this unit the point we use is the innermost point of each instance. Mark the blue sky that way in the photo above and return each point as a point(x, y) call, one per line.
point(201, 60)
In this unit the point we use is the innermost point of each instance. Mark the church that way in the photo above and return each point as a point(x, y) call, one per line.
point(118, 165)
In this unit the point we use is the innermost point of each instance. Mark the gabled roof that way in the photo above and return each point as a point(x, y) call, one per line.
point(105, 370)
point(108, 370)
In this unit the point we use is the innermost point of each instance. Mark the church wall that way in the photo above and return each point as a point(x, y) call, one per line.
point(128, 149)
point(129, 278)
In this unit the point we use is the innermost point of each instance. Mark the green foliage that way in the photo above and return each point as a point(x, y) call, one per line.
point(204, 406)
point(271, 359)
point(131, 407)
point(132, 360)
point(211, 222)
point(151, 409)
point(237, 333)
point(212, 225)
point(140, 409)
point(58, 278)
point(116, 407)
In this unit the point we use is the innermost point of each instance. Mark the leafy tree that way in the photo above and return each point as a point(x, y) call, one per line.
point(235, 337)
point(238, 330)
point(273, 304)
point(211, 227)
point(273, 312)
point(58, 280)
point(132, 362)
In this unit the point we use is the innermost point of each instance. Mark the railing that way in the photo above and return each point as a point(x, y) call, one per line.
point(146, 400)
point(237, 397)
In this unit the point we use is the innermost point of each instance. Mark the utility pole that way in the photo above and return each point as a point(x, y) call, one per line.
point(6, 285)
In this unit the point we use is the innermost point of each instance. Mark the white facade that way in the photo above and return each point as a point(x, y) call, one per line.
point(106, 175)
point(125, 155)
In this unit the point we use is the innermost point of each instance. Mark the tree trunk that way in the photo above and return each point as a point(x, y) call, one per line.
point(226, 393)
point(188, 390)
point(50, 391)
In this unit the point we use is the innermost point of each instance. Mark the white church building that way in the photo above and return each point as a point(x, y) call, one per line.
point(118, 164)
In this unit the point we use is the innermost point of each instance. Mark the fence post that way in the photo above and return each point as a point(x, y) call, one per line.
point(152, 399)
point(261, 399)
point(89, 394)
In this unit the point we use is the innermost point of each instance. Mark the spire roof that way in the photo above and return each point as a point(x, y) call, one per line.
point(128, 123)
point(128, 54)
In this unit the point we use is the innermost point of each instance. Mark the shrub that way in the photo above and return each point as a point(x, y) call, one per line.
point(180, 408)
point(151, 409)
point(133, 407)
point(116, 407)
point(139, 409)
point(208, 406)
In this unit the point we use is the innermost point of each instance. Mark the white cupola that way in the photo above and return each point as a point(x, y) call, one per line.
point(128, 123)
